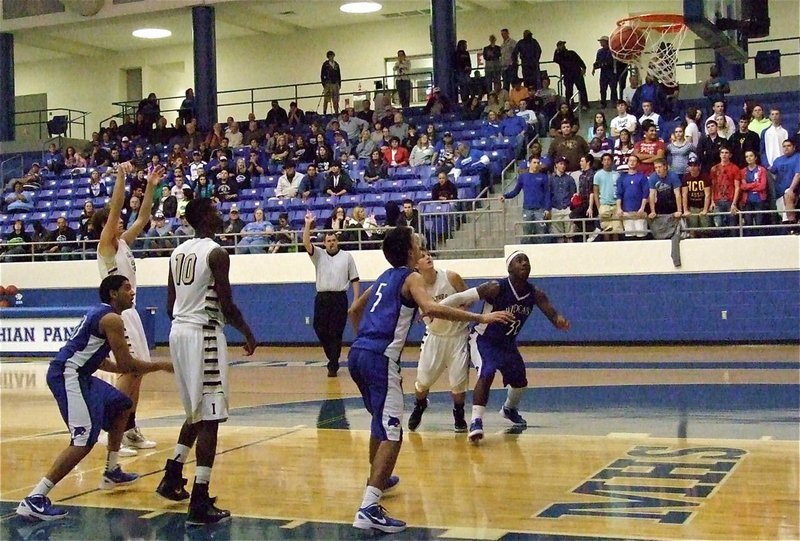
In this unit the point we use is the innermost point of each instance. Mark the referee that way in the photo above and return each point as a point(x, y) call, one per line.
point(336, 270)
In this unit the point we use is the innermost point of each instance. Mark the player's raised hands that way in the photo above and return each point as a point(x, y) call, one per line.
point(156, 175)
point(309, 218)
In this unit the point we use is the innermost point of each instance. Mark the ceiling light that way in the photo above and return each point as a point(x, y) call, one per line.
point(152, 33)
point(360, 7)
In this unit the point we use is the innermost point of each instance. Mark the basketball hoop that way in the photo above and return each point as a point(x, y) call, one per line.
point(651, 43)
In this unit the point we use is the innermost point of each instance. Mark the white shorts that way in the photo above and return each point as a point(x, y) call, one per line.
point(440, 352)
point(634, 227)
point(200, 356)
point(134, 335)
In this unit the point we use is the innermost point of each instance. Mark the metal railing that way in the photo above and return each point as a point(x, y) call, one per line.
point(11, 168)
point(464, 227)
point(39, 118)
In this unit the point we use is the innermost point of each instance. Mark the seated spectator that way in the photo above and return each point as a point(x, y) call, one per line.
point(224, 189)
point(62, 242)
point(39, 237)
point(395, 155)
point(72, 159)
point(518, 93)
point(296, 116)
point(139, 160)
point(323, 159)
point(337, 221)
point(430, 131)
point(219, 164)
point(445, 158)
point(85, 219)
point(564, 114)
point(232, 227)
point(185, 231)
point(473, 109)
point(491, 126)
point(444, 189)
point(242, 176)
point(633, 192)
point(549, 98)
point(176, 152)
point(531, 118)
point(283, 235)
point(179, 184)
point(197, 166)
point(254, 165)
point(562, 188)
point(340, 147)
point(289, 182)
point(376, 168)
point(276, 116)
point(411, 138)
point(255, 236)
point(162, 133)
point(438, 103)
point(312, 184)
point(167, 204)
point(215, 136)
point(32, 180)
point(365, 146)
point(159, 241)
point(515, 127)
point(385, 141)
point(186, 196)
point(253, 133)
point(409, 217)
point(203, 188)
point(19, 200)
point(234, 136)
point(492, 105)
point(281, 151)
point(361, 230)
point(339, 182)
point(352, 126)
point(54, 160)
point(15, 248)
point(302, 153)
point(421, 154)
point(97, 188)
point(125, 149)
point(366, 114)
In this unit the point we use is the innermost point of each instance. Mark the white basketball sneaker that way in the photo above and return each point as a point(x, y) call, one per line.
point(135, 439)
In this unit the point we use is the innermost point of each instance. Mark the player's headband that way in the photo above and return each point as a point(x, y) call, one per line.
point(511, 257)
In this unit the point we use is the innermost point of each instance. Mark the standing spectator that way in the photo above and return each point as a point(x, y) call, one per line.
point(331, 77)
point(335, 271)
point(535, 186)
point(609, 73)
point(709, 147)
point(562, 188)
point(666, 205)
point(759, 122)
point(772, 138)
point(186, 110)
point(718, 115)
point(572, 70)
point(786, 169)
point(692, 132)
point(402, 69)
point(570, 146)
point(529, 52)
point(581, 205)
point(679, 150)
point(276, 116)
point(716, 87)
point(753, 185)
point(623, 148)
point(604, 197)
point(463, 67)
point(742, 141)
point(507, 60)
point(633, 192)
point(492, 54)
point(623, 120)
point(649, 149)
point(150, 110)
point(696, 190)
point(649, 114)
point(62, 241)
point(725, 178)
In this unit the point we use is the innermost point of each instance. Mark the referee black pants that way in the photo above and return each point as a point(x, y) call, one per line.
point(330, 318)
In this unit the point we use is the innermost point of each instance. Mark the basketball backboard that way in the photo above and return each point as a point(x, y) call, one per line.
point(721, 24)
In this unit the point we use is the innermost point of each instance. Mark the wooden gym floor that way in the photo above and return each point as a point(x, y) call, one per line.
point(685, 442)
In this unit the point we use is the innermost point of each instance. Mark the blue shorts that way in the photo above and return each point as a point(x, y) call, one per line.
point(87, 404)
point(488, 358)
point(381, 387)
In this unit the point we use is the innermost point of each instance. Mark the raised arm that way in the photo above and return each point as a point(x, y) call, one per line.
point(153, 180)
point(107, 246)
point(220, 264)
point(309, 219)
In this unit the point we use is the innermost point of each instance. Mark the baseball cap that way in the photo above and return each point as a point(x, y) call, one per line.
point(125, 139)
point(694, 160)
point(223, 157)
point(603, 38)
point(447, 134)
point(561, 42)
point(159, 215)
point(234, 208)
point(196, 153)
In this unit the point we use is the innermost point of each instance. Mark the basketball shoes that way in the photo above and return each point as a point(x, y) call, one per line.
point(374, 517)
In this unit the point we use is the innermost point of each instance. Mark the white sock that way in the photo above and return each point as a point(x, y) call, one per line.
point(514, 398)
point(112, 460)
point(181, 453)
point(44, 487)
point(202, 475)
point(477, 412)
point(372, 495)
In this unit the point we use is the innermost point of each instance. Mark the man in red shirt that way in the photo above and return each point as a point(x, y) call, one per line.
point(649, 149)
point(725, 178)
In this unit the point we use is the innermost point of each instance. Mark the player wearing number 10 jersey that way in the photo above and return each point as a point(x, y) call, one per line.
point(493, 347)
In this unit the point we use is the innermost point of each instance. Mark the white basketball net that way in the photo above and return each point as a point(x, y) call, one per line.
point(663, 40)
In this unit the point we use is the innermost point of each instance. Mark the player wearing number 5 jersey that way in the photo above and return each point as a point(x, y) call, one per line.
point(493, 346)
point(200, 302)
point(388, 309)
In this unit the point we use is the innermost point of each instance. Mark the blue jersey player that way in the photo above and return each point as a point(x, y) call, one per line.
point(383, 315)
point(87, 403)
point(493, 346)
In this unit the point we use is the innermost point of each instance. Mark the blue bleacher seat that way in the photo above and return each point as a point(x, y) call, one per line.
point(400, 173)
point(276, 204)
point(74, 213)
point(415, 184)
point(468, 181)
point(379, 212)
point(297, 219)
point(366, 187)
point(389, 185)
point(467, 193)
point(65, 193)
point(247, 206)
point(248, 194)
point(323, 202)
point(61, 204)
point(266, 193)
point(425, 195)
point(295, 203)
point(350, 201)
point(374, 199)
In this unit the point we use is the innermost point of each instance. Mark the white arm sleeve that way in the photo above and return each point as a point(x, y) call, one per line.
point(460, 299)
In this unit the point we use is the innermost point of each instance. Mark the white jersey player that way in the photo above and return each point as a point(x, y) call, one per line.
point(114, 257)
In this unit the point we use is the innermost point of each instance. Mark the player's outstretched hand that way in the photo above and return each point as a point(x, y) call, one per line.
point(249, 346)
point(156, 175)
point(165, 366)
point(562, 323)
point(497, 317)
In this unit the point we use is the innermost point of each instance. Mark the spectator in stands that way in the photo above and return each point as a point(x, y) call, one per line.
point(401, 70)
point(281, 152)
point(649, 149)
point(716, 87)
point(395, 155)
point(422, 153)
point(754, 192)
point(97, 188)
point(633, 192)
point(366, 114)
point(185, 231)
point(518, 93)
point(331, 78)
point(225, 190)
point(490, 128)
point(530, 117)
point(197, 166)
point(141, 129)
point(535, 186)
point(772, 139)
point(365, 146)
point(139, 160)
point(353, 126)
point(462, 63)
point(255, 236)
point(605, 62)
point(376, 168)
point(128, 128)
point(573, 70)
point(340, 147)
point(492, 105)
point(289, 181)
point(742, 141)
point(232, 227)
point(99, 157)
point(717, 113)
point(323, 159)
point(242, 176)
point(649, 91)
point(666, 207)
point(623, 148)
point(302, 153)
point(360, 229)
point(187, 194)
point(492, 55)
point(477, 86)
point(599, 120)
point(562, 188)
point(696, 195)
point(604, 195)
point(606, 142)
point(277, 116)
point(62, 241)
point(167, 203)
point(445, 158)
point(338, 181)
point(234, 136)
point(125, 149)
point(337, 221)
point(15, 244)
point(473, 109)
point(193, 139)
point(149, 109)
point(72, 159)
point(507, 61)
point(131, 212)
point(444, 189)
point(570, 146)
point(85, 218)
point(409, 217)
point(19, 200)
point(39, 237)
point(564, 113)
point(623, 120)
point(581, 205)
point(296, 116)
point(186, 111)
point(387, 116)
point(649, 114)
point(725, 178)
point(438, 103)
point(162, 133)
point(528, 53)
point(471, 162)
point(215, 136)
point(759, 122)
point(312, 184)
point(159, 241)
point(283, 236)
point(709, 147)
point(155, 162)
point(679, 150)
point(692, 132)
point(176, 153)
point(54, 160)
point(399, 127)
point(786, 169)
point(253, 133)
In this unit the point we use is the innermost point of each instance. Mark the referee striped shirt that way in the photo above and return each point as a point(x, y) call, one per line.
point(334, 272)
